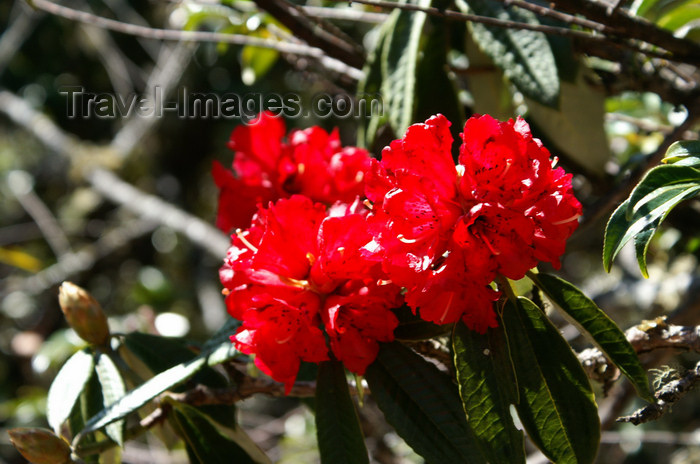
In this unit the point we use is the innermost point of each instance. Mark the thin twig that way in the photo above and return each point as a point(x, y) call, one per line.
point(666, 397)
point(21, 184)
point(591, 39)
point(196, 36)
point(109, 185)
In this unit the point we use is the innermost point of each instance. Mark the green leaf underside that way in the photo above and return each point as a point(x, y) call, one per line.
point(67, 386)
point(593, 322)
point(557, 406)
point(89, 403)
point(112, 389)
point(399, 66)
point(683, 153)
point(145, 392)
point(423, 405)
point(204, 440)
point(641, 246)
point(340, 439)
point(391, 71)
point(525, 57)
point(487, 387)
point(620, 230)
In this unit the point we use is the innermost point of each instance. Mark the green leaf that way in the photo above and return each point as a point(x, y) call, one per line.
point(391, 71)
point(67, 386)
point(89, 404)
point(112, 390)
point(525, 56)
point(621, 229)
point(488, 388)
point(207, 442)
point(144, 393)
point(165, 380)
point(652, 189)
point(340, 439)
point(399, 66)
point(557, 406)
point(683, 153)
point(641, 245)
point(593, 322)
point(423, 405)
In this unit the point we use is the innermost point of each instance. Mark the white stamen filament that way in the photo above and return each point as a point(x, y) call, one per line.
point(406, 240)
point(241, 236)
point(564, 221)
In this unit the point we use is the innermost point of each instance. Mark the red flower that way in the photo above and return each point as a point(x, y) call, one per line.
point(445, 231)
point(267, 167)
point(299, 269)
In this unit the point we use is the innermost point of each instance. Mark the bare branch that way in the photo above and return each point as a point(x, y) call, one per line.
point(666, 397)
point(196, 36)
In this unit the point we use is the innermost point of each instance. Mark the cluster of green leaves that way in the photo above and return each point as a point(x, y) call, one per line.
point(524, 365)
point(660, 190)
point(89, 395)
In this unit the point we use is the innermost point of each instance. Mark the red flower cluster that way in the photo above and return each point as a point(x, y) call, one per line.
point(307, 279)
point(309, 162)
point(299, 268)
point(444, 232)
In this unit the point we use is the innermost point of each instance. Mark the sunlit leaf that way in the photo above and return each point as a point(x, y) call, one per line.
point(488, 388)
point(594, 323)
point(67, 386)
point(112, 390)
point(557, 406)
point(205, 440)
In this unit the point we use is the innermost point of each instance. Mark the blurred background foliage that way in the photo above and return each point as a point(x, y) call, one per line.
point(613, 111)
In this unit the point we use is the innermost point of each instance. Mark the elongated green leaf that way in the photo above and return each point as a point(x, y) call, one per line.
point(620, 230)
point(144, 393)
point(391, 71)
point(205, 440)
point(89, 404)
point(340, 439)
point(525, 56)
point(683, 153)
point(165, 380)
point(661, 179)
point(112, 390)
point(593, 322)
point(423, 405)
point(641, 245)
point(67, 386)
point(399, 65)
point(557, 406)
point(487, 387)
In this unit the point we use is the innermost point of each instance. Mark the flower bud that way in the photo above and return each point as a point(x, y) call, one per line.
point(83, 314)
point(40, 446)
